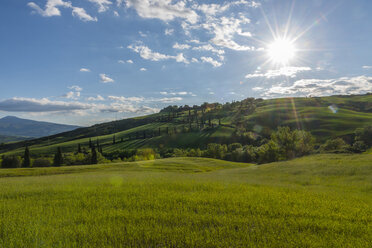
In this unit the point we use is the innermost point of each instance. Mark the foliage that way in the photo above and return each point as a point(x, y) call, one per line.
point(334, 145)
point(11, 162)
point(58, 157)
point(26, 158)
point(364, 135)
point(42, 162)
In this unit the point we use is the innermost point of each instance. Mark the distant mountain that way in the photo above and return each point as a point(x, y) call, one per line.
point(14, 126)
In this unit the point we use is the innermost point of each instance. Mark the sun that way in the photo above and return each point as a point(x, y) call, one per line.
point(281, 51)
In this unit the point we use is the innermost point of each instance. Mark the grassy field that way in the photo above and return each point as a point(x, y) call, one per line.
point(316, 201)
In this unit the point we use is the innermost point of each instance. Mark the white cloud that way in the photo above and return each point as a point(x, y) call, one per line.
point(180, 93)
point(148, 54)
point(97, 98)
point(214, 9)
point(103, 5)
point(82, 14)
point(211, 61)
point(20, 104)
point(119, 2)
point(126, 99)
point(129, 61)
point(367, 67)
point(169, 99)
point(143, 69)
point(209, 47)
point(142, 34)
point(116, 13)
point(52, 9)
point(44, 105)
point(322, 87)
point(166, 10)
point(224, 30)
point(75, 88)
point(84, 70)
point(181, 46)
point(105, 78)
point(72, 95)
point(121, 61)
point(288, 71)
point(169, 31)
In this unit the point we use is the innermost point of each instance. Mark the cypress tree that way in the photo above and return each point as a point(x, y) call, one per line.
point(58, 158)
point(90, 143)
point(79, 148)
point(113, 140)
point(27, 158)
point(94, 156)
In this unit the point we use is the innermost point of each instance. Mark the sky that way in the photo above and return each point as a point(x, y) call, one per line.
point(90, 61)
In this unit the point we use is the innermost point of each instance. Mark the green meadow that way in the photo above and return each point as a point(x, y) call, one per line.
point(315, 201)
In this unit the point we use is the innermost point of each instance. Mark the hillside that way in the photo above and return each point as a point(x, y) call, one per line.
point(7, 138)
point(14, 126)
point(249, 120)
point(315, 201)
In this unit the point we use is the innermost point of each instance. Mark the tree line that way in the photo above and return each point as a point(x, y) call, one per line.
point(283, 144)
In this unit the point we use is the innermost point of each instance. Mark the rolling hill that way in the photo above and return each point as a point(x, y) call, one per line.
point(185, 127)
point(315, 201)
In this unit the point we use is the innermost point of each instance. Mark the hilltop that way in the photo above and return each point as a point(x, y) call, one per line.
point(246, 121)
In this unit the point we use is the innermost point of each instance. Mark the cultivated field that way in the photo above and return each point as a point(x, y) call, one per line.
point(315, 201)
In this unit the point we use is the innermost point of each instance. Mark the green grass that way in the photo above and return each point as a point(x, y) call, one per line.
point(315, 201)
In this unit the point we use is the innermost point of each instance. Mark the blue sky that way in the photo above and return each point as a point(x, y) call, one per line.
point(89, 61)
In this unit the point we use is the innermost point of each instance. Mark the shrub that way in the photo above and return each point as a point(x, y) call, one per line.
point(359, 146)
point(42, 162)
point(334, 145)
point(11, 162)
point(364, 135)
point(268, 153)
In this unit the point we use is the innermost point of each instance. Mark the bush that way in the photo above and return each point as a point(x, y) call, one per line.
point(268, 153)
point(11, 162)
point(334, 145)
point(364, 135)
point(42, 162)
point(359, 146)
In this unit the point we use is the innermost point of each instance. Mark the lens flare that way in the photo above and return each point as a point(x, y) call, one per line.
point(281, 51)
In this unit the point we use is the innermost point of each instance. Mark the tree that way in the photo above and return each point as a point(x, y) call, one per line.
point(364, 135)
point(94, 159)
point(27, 158)
point(90, 143)
point(113, 140)
point(334, 145)
point(58, 157)
point(11, 162)
point(79, 148)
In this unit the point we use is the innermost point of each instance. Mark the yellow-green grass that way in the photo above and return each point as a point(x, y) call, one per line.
point(316, 201)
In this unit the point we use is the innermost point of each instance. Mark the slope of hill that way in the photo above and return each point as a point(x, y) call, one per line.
point(7, 138)
point(316, 201)
point(14, 126)
point(184, 127)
